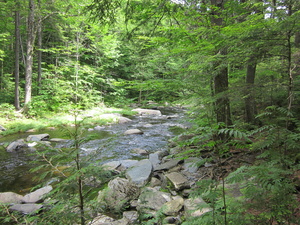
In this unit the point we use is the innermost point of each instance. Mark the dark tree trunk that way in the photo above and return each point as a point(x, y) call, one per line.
point(222, 104)
point(250, 105)
point(297, 39)
point(17, 55)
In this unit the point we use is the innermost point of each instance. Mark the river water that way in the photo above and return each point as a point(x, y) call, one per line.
point(108, 144)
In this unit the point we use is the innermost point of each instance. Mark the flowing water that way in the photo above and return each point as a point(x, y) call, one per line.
point(108, 144)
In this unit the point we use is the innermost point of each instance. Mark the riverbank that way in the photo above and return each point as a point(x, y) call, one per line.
point(15, 122)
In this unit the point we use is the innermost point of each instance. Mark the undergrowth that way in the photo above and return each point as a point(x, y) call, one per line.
point(259, 192)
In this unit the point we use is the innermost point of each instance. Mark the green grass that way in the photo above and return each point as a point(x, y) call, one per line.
point(14, 124)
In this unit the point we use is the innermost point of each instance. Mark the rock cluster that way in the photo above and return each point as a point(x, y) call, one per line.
point(152, 187)
point(29, 204)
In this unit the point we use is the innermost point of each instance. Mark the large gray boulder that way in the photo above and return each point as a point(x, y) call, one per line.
point(38, 137)
point(173, 207)
point(194, 207)
point(131, 216)
point(147, 112)
point(140, 173)
point(120, 191)
point(10, 197)
point(37, 196)
point(26, 208)
point(156, 157)
point(178, 180)
point(168, 165)
point(16, 145)
point(152, 200)
point(123, 119)
point(113, 165)
point(127, 163)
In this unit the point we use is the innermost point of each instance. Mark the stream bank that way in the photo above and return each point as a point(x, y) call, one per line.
point(108, 144)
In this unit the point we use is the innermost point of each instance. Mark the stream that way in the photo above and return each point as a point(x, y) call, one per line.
point(109, 144)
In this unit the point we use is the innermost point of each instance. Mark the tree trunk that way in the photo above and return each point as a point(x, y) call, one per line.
point(31, 34)
point(17, 55)
point(222, 104)
point(250, 106)
point(39, 33)
point(297, 39)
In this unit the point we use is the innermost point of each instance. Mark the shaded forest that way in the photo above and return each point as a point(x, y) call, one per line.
point(233, 63)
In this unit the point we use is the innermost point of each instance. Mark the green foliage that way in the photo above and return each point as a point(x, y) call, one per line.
point(6, 110)
point(268, 194)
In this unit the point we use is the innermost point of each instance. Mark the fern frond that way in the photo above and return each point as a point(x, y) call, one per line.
point(238, 176)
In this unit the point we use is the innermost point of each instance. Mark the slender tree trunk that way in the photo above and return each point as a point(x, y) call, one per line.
point(297, 39)
point(17, 55)
point(250, 106)
point(222, 104)
point(31, 34)
point(290, 68)
point(39, 33)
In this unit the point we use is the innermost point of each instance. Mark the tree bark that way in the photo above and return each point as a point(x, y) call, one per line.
point(222, 104)
point(39, 33)
point(17, 55)
point(250, 105)
point(297, 39)
point(31, 35)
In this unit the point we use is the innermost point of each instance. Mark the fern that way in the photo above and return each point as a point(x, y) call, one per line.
point(238, 176)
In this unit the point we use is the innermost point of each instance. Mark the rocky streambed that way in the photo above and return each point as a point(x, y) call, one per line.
point(151, 180)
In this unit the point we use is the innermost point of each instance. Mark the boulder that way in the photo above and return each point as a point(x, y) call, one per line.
point(131, 216)
point(133, 131)
point(41, 144)
point(120, 191)
point(38, 137)
point(127, 163)
point(140, 173)
point(151, 200)
point(156, 157)
point(168, 165)
point(123, 119)
point(172, 207)
point(2, 128)
point(37, 196)
point(171, 220)
point(140, 151)
point(10, 197)
point(101, 219)
point(195, 207)
point(154, 182)
point(98, 128)
point(26, 208)
point(58, 140)
point(178, 180)
point(147, 112)
point(112, 165)
point(16, 145)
